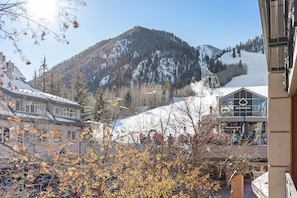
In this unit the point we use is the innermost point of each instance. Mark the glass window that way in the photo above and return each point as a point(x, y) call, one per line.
point(43, 135)
point(32, 108)
point(243, 103)
point(227, 106)
point(17, 105)
point(71, 135)
point(58, 111)
point(6, 132)
point(68, 112)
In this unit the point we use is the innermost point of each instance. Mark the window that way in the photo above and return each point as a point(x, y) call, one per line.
point(29, 106)
point(71, 135)
point(57, 135)
point(32, 108)
point(20, 138)
point(243, 103)
point(17, 105)
point(4, 134)
point(58, 111)
point(68, 112)
point(42, 136)
point(227, 107)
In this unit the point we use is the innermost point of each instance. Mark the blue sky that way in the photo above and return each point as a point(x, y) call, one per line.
point(215, 22)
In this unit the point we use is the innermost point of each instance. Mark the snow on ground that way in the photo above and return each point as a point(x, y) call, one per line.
point(257, 69)
point(172, 119)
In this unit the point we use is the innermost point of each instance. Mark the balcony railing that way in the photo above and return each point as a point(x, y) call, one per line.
point(290, 187)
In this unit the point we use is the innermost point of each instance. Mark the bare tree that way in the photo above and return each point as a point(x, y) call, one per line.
point(16, 21)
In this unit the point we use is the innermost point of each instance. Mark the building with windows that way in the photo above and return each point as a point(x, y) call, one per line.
point(279, 20)
point(244, 113)
point(240, 118)
point(34, 119)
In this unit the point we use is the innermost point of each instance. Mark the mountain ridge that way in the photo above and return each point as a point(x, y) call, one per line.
point(139, 56)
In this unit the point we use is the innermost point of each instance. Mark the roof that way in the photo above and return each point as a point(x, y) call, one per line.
point(258, 90)
point(16, 85)
point(12, 83)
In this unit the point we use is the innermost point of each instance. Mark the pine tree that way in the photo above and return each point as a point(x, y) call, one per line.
point(233, 54)
point(79, 93)
point(239, 52)
point(51, 85)
point(99, 106)
point(43, 75)
point(167, 91)
point(58, 83)
point(35, 79)
point(128, 100)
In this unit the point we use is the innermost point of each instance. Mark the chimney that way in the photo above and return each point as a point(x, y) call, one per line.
point(9, 70)
point(2, 57)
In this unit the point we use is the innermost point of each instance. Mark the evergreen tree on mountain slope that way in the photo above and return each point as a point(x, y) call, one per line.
point(79, 93)
point(254, 45)
point(99, 106)
point(128, 100)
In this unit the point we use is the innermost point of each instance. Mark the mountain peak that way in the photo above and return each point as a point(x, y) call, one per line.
point(141, 56)
point(138, 56)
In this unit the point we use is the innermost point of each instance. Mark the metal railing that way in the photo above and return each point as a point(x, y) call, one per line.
point(290, 187)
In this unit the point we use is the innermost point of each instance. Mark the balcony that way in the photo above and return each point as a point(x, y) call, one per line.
point(279, 19)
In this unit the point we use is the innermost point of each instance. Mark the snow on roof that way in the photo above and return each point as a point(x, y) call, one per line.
point(17, 85)
point(223, 91)
point(17, 74)
point(27, 92)
point(4, 110)
point(31, 116)
point(58, 99)
point(59, 119)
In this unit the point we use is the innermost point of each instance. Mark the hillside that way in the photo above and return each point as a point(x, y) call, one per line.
point(144, 56)
point(256, 73)
point(138, 56)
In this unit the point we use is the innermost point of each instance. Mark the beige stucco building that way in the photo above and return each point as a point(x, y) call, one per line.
point(279, 20)
point(36, 122)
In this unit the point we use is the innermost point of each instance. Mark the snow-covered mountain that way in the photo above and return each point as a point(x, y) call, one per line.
point(143, 56)
point(138, 56)
point(172, 119)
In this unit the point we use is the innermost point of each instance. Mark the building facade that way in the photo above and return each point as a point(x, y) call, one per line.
point(279, 20)
point(243, 114)
point(35, 121)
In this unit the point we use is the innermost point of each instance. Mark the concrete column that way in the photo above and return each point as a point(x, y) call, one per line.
point(279, 128)
point(293, 170)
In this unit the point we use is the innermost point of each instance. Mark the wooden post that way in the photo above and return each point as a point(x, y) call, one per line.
point(237, 186)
